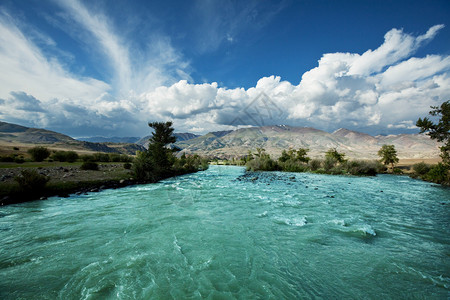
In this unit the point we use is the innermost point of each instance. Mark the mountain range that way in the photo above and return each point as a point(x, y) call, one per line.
point(236, 143)
point(114, 139)
point(275, 139)
point(181, 137)
point(17, 135)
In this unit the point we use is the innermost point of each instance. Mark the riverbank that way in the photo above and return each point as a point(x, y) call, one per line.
point(212, 235)
point(64, 179)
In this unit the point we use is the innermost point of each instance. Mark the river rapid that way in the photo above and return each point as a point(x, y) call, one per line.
point(227, 234)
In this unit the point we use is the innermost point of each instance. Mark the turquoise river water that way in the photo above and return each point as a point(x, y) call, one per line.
point(221, 234)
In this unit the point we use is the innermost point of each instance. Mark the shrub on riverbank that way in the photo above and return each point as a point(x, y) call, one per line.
point(65, 156)
point(39, 153)
point(434, 173)
point(334, 163)
point(30, 181)
point(107, 157)
point(262, 161)
point(421, 169)
point(89, 165)
point(362, 167)
point(438, 174)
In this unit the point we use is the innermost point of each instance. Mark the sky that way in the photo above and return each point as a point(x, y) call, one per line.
point(107, 68)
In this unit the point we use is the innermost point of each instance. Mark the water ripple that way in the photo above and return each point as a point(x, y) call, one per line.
point(221, 234)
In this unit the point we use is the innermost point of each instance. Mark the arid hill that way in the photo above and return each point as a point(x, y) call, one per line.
point(12, 135)
point(274, 139)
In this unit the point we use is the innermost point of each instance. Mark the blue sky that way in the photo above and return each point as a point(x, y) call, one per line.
point(89, 68)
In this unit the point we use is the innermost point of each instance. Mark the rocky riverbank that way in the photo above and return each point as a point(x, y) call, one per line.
point(63, 181)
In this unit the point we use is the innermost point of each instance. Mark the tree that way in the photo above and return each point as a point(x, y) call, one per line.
point(284, 156)
point(294, 155)
point(156, 163)
point(301, 155)
point(39, 153)
point(163, 133)
point(260, 152)
point(335, 155)
point(439, 131)
point(388, 155)
point(159, 153)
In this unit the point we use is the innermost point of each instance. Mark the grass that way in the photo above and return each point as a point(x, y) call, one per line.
point(65, 178)
point(46, 164)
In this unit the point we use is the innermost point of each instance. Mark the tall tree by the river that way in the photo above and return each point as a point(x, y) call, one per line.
point(156, 163)
point(388, 155)
point(439, 131)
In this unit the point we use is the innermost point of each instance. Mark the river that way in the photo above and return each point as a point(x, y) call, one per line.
point(221, 234)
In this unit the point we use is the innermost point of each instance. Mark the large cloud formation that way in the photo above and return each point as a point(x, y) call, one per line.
point(381, 90)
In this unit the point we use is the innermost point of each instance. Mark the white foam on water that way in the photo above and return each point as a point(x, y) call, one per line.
point(297, 221)
point(262, 215)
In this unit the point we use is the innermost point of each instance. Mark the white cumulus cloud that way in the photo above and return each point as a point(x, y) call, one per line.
point(382, 89)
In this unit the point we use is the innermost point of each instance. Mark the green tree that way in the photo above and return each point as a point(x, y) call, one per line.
point(388, 155)
point(156, 163)
point(260, 152)
point(158, 151)
point(332, 153)
point(439, 131)
point(39, 153)
point(301, 155)
point(294, 155)
point(284, 156)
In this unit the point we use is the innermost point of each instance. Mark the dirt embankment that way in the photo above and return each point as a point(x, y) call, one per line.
point(63, 180)
point(58, 174)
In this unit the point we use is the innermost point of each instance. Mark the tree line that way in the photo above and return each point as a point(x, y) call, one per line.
point(335, 162)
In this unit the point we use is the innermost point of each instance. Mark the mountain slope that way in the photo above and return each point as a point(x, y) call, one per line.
point(114, 139)
point(183, 136)
point(12, 134)
point(21, 134)
point(274, 139)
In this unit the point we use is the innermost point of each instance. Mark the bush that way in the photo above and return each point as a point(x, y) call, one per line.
point(96, 157)
point(7, 158)
point(329, 163)
point(264, 163)
point(31, 181)
point(127, 166)
point(337, 170)
point(143, 168)
point(101, 157)
point(87, 157)
point(397, 171)
point(114, 157)
point(19, 160)
point(315, 164)
point(438, 174)
point(69, 156)
point(364, 168)
point(39, 153)
point(293, 166)
point(421, 168)
point(126, 158)
point(89, 165)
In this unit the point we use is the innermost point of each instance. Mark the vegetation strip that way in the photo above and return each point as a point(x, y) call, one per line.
point(152, 165)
